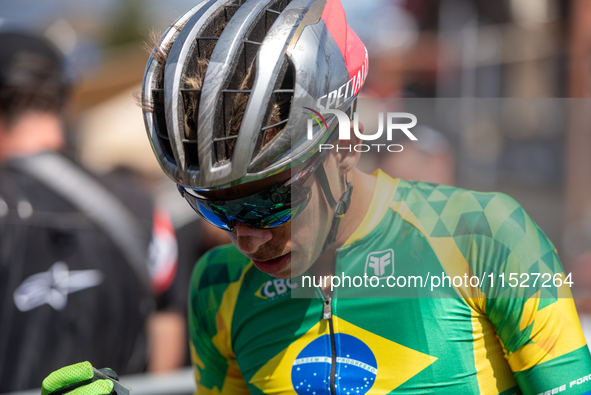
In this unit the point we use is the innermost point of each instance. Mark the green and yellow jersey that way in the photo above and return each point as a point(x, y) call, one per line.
point(251, 333)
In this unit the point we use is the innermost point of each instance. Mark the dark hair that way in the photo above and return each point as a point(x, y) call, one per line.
point(32, 76)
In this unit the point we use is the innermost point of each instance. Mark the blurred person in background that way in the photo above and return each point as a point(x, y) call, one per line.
point(81, 260)
point(194, 237)
point(431, 158)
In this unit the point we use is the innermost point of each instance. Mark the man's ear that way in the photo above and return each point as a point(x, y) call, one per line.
point(347, 157)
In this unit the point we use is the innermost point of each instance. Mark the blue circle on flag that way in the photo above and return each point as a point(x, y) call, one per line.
point(356, 367)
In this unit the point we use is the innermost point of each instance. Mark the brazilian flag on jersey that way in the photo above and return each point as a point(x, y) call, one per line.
point(253, 334)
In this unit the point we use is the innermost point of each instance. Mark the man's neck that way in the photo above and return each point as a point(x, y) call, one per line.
point(31, 134)
point(363, 189)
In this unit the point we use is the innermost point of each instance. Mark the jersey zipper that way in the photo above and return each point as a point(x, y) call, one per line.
point(333, 366)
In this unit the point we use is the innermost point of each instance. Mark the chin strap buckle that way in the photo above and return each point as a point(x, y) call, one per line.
point(340, 209)
point(344, 202)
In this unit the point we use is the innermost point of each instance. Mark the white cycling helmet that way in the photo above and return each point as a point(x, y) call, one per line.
point(225, 90)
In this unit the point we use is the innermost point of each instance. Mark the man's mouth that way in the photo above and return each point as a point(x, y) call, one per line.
point(275, 265)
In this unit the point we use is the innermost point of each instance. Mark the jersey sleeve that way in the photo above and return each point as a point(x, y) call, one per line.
point(216, 369)
point(528, 302)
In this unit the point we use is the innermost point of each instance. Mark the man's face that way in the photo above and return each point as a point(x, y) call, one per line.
point(291, 249)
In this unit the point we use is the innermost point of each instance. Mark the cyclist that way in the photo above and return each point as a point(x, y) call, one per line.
point(226, 96)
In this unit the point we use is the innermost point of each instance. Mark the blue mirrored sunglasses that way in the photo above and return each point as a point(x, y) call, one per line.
point(270, 208)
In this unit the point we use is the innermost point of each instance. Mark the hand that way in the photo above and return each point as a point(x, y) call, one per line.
point(83, 379)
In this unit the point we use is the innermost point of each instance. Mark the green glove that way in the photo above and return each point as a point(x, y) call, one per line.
point(83, 379)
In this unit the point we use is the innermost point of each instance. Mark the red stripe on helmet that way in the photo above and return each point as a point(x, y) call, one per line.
point(336, 23)
point(356, 60)
point(351, 46)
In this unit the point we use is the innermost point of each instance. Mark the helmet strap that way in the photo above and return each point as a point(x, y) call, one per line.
point(339, 208)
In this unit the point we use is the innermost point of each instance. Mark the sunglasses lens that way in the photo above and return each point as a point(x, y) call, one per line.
point(216, 218)
point(284, 216)
point(204, 212)
point(257, 211)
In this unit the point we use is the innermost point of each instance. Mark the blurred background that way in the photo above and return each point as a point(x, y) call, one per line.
point(528, 50)
point(500, 89)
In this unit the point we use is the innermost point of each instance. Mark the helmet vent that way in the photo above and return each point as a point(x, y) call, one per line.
point(157, 107)
point(278, 111)
point(236, 95)
point(195, 73)
point(153, 107)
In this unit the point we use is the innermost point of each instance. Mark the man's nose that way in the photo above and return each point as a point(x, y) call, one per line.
point(249, 240)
